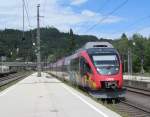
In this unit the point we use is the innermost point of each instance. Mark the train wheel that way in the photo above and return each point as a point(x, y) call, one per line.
point(117, 100)
point(103, 100)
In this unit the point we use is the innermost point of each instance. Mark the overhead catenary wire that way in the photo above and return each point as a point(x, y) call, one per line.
point(133, 24)
point(99, 10)
point(27, 13)
point(44, 9)
point(26, 6)
point(139, 29)
point(106, 16)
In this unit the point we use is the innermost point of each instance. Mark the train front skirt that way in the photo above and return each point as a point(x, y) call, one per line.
point(108, 93)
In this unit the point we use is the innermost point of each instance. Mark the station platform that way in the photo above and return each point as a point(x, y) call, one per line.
point(138, 82)
point(48, 97)
point(136, 78)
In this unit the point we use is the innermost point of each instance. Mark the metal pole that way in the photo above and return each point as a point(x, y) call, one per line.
point(129, 62)
point(23, 17)
point(142, 63)
point(124, 66)
point(38, 43)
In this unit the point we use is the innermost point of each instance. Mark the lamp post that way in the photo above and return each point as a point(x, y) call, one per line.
point(124, 65)
point(142, 58)
point(142, 62)
point(129, 62)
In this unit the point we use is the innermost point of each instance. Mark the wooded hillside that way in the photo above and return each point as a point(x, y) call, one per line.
point(56, 44)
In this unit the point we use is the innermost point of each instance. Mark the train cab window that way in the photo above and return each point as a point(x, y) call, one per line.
point(84, 67)
point(106, 64)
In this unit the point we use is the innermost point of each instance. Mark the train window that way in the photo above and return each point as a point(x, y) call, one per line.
point(106, 64)
point(74, 64)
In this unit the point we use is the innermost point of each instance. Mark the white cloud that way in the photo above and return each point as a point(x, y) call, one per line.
point(142, 30)
point(88, 13)
point(55, 14)
point(109, 36)
point(145, 31)
point(78, 2)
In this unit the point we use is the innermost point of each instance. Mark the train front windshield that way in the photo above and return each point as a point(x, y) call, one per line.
point(106, 64)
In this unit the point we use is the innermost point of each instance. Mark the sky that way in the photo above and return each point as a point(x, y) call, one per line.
point(85, 17)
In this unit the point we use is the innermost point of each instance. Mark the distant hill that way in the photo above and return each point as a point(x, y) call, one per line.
point(53, 42)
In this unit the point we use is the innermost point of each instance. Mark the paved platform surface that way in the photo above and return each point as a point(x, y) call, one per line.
point(136, 78)
point(48, 97)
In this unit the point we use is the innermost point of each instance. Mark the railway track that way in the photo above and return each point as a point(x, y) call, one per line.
point(13, 77)
point(131, 110)
point(127, 108)
point(136, 103)
point(139, 91)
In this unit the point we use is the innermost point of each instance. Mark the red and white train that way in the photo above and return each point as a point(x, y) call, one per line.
point(96, 67)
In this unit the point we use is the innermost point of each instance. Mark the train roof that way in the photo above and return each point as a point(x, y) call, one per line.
point(91, 48)
point(97, 45)
point(90, 45)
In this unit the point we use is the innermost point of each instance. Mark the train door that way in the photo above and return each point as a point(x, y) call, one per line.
point(85, 72)
point(74, 74)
